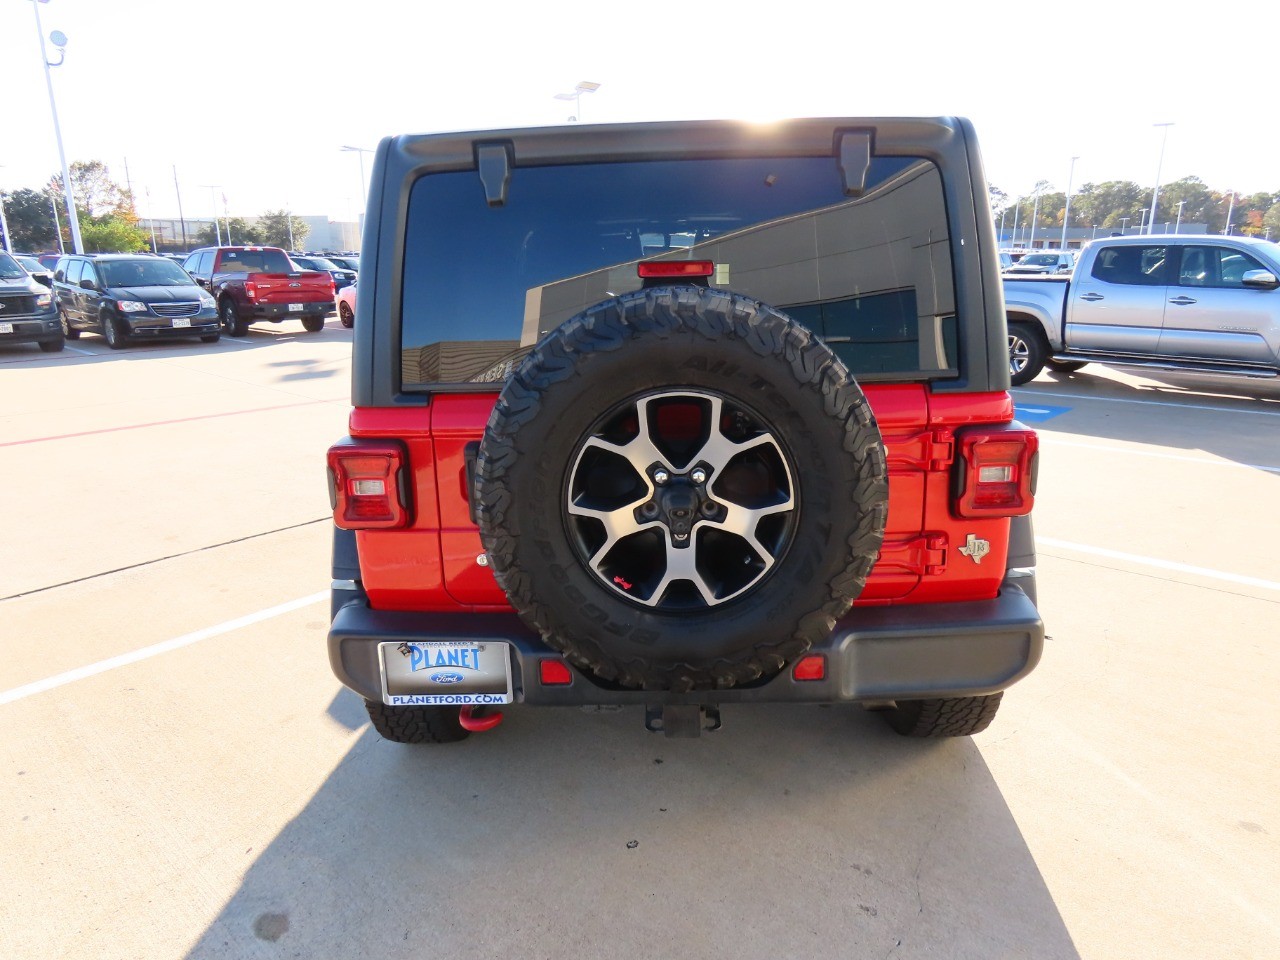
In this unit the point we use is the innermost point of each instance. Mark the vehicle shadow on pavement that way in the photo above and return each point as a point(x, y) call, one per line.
point(1236, 433)
point(795, 831)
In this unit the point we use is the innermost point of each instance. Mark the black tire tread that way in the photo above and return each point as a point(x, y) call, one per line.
point(611, 326)
point(313, 324)
point(53, 346)
point(415, 724)
point(944, 717)
point(1038, 351)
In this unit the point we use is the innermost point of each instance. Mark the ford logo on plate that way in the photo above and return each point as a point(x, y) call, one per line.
point(445, 678)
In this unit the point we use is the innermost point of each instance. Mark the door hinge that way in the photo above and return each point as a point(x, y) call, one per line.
point(929, 451)
point(923, 556)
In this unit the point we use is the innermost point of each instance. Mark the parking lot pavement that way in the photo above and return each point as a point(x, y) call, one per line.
point(222, 796)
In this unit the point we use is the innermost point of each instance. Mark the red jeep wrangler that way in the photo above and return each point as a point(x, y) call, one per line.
point(679, 415)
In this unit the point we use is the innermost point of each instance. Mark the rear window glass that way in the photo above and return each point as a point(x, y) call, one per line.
point(871, 275)
point(255, 261)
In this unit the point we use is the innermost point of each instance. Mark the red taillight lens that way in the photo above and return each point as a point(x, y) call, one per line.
point(812, 667)
point(996, 476)
point(554, 673)
point(368, 485)
point(250, 289)
point(675, 268)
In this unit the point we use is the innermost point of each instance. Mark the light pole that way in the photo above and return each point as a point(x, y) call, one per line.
point(1155, 194)
point(1066, 214)
point(60, 41)
point(1226, 231)
point(57, 224)
point(364, 195)
point(1177, 225)
point(1035, 212)
point(1124, 225)
point(1003, 213)
point(1142, 223)
point(151, 218)
point(5, 242)
point(584, 86)
point(213, 202)
point(1017, 209)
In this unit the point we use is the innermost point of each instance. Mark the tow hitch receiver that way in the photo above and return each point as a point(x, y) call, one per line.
point(686, 721)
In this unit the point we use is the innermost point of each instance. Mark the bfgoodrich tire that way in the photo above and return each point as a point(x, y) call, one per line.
point(944, 717)
point(415, 724)
point(658, 406)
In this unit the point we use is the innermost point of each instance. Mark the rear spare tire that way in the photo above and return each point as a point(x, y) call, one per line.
point(681, 489)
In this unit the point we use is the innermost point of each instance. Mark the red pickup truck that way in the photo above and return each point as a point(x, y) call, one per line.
point(261, 283)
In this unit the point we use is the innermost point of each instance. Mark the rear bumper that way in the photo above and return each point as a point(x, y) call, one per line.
point(281, 311)
point(875, 653)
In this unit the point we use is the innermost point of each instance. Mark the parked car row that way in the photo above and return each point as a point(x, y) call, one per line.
point(215, 290)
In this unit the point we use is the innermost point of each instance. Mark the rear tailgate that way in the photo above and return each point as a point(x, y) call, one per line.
point(308, 287)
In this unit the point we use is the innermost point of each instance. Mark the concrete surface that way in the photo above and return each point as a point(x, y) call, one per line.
point(228, 799)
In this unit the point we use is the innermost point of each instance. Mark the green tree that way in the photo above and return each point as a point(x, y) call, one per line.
point(1109, 204)
point(30, 219)
point(111, 233)
point(1271, 220)
point(96, 193)
point(241, 233)
point(274, 225)
point(1198, 202)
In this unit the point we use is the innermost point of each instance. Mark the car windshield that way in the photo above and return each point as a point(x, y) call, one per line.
point(32, 264)
point(143, 273)
point(347, 263)
point(1040, 260)
point(9, 268)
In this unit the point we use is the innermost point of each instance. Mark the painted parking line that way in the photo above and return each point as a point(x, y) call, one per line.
point(1038, 413)
point(1157, 563)
point(165, 646)
point(1054, 441)
point(87, 353)
point(163, 423)
point(1146, 403)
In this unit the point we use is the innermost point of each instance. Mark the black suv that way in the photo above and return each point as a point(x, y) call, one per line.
point(132, 295)
point(27, 313)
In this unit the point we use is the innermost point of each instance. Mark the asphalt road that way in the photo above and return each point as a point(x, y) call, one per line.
point(181, 776)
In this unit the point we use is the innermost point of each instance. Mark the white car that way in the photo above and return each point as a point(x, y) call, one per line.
point(347, 305)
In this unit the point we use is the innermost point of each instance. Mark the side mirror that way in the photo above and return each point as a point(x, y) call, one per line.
point(88, 285)
point(1264, 279)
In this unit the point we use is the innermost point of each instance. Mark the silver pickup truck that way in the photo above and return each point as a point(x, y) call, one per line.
point(1186, 302)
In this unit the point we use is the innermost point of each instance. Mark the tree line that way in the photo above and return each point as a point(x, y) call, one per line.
point(109, 221)
point(1116, 204)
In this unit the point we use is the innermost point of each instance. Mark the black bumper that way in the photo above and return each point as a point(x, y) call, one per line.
point(875, 653)
point(280, 311)
point(32, 329)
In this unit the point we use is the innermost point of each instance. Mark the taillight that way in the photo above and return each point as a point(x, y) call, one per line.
point(368, 484)
point(675, 268)
point(250, 289)
point(996, 471)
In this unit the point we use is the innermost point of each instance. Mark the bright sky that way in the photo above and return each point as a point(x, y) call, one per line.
point(258, 97)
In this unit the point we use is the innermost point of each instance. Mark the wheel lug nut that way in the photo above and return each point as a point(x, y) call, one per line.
point(709, 509)
point(660, 477)
point(699, 475)
point(650, 509)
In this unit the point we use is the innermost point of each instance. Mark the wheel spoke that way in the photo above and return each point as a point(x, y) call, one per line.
point(617, 524)
point(719, 449)
point(742, 522)
point(682, 565)
point(640, 451)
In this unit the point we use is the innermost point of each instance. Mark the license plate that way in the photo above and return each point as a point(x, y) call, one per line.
point(6, 328)
point(182, 323)
point(445, 673)
point(295, 307)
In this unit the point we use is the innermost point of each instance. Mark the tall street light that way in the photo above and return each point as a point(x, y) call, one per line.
point(1226, 231)
point(60, 41)
point(584, 86)
point(1066, 214)
point(361, 151)
point(1179, 223)
point(213, 201)
point(1155, 194)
